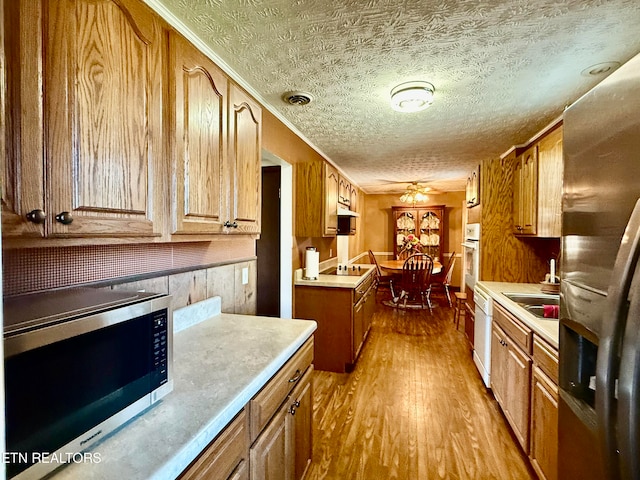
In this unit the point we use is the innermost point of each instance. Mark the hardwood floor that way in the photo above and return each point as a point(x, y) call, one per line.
point(414, 408)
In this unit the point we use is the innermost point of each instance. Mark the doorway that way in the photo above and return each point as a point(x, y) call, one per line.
point(268, 246)
point(276, 243)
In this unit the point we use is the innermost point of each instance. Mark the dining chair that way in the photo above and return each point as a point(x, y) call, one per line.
point(443, 279)
point(416, 280)
point(382, 280)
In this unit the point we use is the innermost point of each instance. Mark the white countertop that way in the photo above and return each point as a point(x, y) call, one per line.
point(338, 281)
point(545, 328)
point(219, 364)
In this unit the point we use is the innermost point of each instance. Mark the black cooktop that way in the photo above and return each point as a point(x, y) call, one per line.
point(350, 272)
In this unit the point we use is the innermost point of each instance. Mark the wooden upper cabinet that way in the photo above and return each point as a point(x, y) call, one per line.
point(331, 198)
point(198, 121)
point(353, 205)
point(21, 119)
point(317, 191)
point(245, 140)
point(550, 171)
point(103, 74)
point(344, 192)
point(537, 188)
point(525, 206)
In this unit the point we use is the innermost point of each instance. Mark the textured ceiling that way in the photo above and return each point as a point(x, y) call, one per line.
point(502, 71)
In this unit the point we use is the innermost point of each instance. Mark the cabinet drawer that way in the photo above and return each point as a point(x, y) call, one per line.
point(546, 357)
point(519, 333)
point(225, 456)
point(361, 289)
point(266, 402)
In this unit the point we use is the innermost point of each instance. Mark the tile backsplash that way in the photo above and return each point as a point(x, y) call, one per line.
point(38, 269)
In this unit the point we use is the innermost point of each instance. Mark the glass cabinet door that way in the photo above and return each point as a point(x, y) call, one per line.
point(405, 225)
point(430, 233)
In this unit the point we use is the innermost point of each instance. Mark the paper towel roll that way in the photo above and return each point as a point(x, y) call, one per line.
point(312, 264)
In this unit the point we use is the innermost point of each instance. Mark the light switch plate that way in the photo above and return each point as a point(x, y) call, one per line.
point(245, 275)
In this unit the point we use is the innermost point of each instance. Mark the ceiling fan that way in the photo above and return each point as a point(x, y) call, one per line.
point(415, 193)
point(394, 186)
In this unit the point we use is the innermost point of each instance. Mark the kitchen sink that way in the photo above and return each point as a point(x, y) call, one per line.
point(534, 302)
point(533, 298)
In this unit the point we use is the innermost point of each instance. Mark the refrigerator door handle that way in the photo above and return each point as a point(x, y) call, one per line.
point(613, 325)
point(628, 423)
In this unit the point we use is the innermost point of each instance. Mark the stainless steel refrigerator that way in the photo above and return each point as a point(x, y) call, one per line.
point(599, 405)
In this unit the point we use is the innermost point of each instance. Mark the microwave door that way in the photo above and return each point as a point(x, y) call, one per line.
point(613, 326)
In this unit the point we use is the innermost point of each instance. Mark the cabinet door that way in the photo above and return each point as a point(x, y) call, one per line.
point(369, 309)
point(331, 194)
point(226, 457)
point(358, 328)
point(544, 426)
point(198, 137)
point(271, 456)
point(302, 417)
point(518, 221)
point(498, 365)
point(353, 200)
point(550, 165)
point(21, 123)
point(103, 130)
point(431, 231)
point(406, 222)
point(518, 381)
point(245, 144)
point(525, 192)
point(530, 180)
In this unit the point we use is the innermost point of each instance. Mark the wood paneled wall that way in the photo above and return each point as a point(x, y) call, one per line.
point(505, 257)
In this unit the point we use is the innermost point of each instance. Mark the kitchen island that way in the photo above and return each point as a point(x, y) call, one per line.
point(342, 306)
point(219, 365)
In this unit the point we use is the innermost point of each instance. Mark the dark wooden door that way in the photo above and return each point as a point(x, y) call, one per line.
point(268, 246)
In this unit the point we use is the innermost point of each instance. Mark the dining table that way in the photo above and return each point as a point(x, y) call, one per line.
point(395, 266)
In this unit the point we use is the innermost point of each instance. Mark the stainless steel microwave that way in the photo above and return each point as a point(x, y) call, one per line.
point(79, 363)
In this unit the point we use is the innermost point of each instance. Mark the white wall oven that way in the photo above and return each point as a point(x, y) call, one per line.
point(471, 246)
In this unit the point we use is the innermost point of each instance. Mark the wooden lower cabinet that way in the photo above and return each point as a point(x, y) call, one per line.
point(544, 426)
point(543, 451)
point(225, 458)
point(271, 455)
point(511, 371)
point(343, 316)
point(518, 401)
point(270, 439)
point(524, 381)
point(283, 449)
point(281, 418)
point(510, 380)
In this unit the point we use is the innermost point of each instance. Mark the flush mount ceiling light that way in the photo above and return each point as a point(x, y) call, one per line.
point(412, 96)
point(415, 193)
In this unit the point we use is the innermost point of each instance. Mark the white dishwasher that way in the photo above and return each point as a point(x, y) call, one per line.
point(482, 334)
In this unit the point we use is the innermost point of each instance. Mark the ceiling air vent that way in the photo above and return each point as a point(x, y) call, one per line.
point(297, 98)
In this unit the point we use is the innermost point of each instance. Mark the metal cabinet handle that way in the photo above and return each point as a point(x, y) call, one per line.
point(64, 218)
point(228, 224)
point(295, 377)
point(36, 216)
point(294, 406)
point(234, 224)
